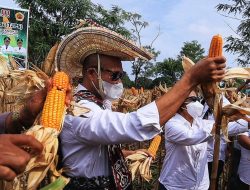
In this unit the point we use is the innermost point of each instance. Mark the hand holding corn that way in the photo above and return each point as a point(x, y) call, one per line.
point(140, 161)
point(47, 133)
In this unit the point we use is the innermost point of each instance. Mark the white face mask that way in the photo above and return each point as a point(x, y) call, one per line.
point(112, 91)
point(195, 109)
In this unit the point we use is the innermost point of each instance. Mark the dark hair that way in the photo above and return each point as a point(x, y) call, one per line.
point(88, 62)
point(19, 40)
point(6, 37)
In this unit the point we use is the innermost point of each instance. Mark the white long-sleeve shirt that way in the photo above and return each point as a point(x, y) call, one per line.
point(234, 128)
point(244, 166)
point(7, 49)
point(83, 139)
point(20, 51)
point(185, 163)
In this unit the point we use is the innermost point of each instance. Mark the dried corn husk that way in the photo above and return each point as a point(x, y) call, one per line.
point(4, 70)
point(241, 73)
point(163, 89)
point(13, 63)
point(140, 164)
point(48, 65)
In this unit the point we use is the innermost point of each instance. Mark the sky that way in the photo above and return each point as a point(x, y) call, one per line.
point(179, 21)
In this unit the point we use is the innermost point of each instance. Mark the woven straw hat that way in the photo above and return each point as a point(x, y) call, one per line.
point(75, 47)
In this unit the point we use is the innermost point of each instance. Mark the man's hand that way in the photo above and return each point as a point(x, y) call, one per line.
point(32, 107)
point(208, 70)
point(13, 157)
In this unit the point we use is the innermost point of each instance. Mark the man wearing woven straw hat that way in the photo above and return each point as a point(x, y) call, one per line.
point(91, 155)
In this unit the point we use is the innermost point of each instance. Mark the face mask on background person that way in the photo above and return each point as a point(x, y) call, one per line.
point(195, 109)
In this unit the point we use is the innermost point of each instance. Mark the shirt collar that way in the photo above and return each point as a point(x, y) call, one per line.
point(80, 87)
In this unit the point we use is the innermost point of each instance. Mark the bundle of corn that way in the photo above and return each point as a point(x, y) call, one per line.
point(48, 65)
point(17, 85)
point(4, 70)
point(47, 133)
point(139, 163)
point(134, 91)
point(163, 89)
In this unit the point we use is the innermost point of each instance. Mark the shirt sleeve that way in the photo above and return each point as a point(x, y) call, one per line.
point(177, 132)
point(107, 127)
point(2, 122)
point(237, 127)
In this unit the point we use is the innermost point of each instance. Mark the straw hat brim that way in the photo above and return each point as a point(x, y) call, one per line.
point(75, 47)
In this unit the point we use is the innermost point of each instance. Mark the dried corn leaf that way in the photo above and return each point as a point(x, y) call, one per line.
point(39, 165)
point(242, 73)
point(139, 163)
point(13, 63)
point(234, 112)
point(163, 89)
point(187, 63)
point(4, 70)
point(224, 128)
point(48, 65)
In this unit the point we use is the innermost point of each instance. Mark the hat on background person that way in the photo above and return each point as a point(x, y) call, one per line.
point(75, 47)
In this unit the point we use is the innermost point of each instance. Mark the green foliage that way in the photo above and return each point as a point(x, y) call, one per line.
point(143, 82)
point(161, 80)
point(140, 68)
point(49, 20)
point(239, 45)
point(169, 68)
point(127, 83)
point(192, 50)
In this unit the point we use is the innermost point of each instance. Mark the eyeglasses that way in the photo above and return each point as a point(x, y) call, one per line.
point(114, 76)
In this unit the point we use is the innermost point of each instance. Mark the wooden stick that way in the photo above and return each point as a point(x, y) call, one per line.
point(218, 119)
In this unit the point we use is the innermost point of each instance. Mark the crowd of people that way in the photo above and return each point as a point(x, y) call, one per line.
point(90, 142)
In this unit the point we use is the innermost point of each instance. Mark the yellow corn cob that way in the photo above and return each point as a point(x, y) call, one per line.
point(154, 145)
point(134, 91)
point(216, 46)
point(61, 80)
point(55, 102)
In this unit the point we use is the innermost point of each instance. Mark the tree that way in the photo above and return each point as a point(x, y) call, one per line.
point(144, 82)
point(241, 44)
point(49, 20)
point(169, 68)
point(140, 67)
point(127, 83)
point(192, 50)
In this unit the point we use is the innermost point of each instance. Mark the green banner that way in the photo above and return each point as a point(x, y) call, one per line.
point(14, 34)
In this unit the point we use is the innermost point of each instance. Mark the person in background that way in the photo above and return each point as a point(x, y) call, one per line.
point(90, 140)
point(6, 48)
point(186, 136)
point(244, 166)
point(20, 50)
point(13, 145)
point(234, 128)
